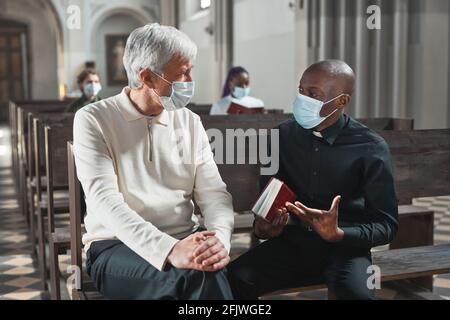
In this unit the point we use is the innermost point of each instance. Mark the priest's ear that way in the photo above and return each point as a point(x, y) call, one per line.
point(343, 101)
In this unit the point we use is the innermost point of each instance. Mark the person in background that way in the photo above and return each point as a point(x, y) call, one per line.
point(237, 87)
point(89, 82)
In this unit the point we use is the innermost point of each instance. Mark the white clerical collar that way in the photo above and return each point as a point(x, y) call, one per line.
point(317, 134)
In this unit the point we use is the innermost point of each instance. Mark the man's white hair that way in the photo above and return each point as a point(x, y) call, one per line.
point(152, 47)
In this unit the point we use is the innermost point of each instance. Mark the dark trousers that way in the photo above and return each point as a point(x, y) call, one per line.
point(120, 274)
point(301, 258)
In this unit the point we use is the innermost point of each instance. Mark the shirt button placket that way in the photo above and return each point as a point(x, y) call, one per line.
point(315, 169)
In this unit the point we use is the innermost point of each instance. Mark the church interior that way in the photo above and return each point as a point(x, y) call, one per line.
point(52, 51)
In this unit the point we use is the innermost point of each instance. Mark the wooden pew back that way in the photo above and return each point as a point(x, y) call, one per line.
point(37, 123)
point(410, 151)
point(76, 219)
point(253, 121)
point(20, 146)
point(200, 109)
point(22, 125)
point(56, 138)
point(56, 163)
point(421, 161)
point(394, 124)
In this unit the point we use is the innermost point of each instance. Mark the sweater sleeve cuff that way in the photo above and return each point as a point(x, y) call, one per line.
point(225, 240)
point(165, 246)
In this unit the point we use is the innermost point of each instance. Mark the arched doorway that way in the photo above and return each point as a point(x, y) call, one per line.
point(31, 52)
point(14, 64)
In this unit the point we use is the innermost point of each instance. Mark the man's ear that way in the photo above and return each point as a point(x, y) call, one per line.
point(343, 101)
point(146, 77)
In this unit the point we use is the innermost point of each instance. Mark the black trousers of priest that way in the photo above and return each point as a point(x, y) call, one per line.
point(120, 274)
point(301, 258)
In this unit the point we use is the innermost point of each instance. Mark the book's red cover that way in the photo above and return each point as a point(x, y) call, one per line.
point(284, 195)
point(238, 109)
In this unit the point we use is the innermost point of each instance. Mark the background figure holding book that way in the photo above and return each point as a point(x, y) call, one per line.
point(236, 97)
point(344, 204)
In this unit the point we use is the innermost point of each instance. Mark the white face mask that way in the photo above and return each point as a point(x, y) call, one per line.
point(92, 89)
point(239, 92)
point(181, 96)
point(306, 111)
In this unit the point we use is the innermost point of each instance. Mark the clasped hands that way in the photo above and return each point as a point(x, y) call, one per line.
point(201, 251)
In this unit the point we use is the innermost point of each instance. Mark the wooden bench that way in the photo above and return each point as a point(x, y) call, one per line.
point(37, 182)
point(205, 109)
point(50, 133)
point(14, 123)
point(200, 109)
point(21, 139)
point(17, 120)
point(251, 121)
point(83, 287)
point(400, 264)
point(56, 168)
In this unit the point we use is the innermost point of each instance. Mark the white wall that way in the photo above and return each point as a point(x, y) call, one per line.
point(431, 108)
point(194, 23)
point(264, 43)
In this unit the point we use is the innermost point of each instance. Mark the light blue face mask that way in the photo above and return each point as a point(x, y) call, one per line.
point(239, 92)
point(92, 89)
point(181, 96)
point(306, 111)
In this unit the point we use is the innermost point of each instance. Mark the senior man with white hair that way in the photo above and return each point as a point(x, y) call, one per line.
point(141, 157)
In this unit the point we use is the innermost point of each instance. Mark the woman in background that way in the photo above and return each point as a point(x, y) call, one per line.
point(89, 82)
point(236, 88)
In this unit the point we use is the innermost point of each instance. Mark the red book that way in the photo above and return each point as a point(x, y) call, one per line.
point(235, 108)
point(273, 198)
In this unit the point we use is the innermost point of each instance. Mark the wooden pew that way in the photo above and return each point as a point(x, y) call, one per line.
point(56, 168)
point(21, 140)
point(400, 264)
point(421, 161)
point(14, 119)
point(36, 160)
point(49, 197)
point(200, 109)
point(13, 123)
point(252, 121)
point(394, 124)
point(83, 288)
point(243, 180)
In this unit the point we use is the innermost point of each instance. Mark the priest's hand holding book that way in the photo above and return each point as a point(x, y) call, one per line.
point(276, 202)
point(267, 230)
point(324, 222)
point(270, 213)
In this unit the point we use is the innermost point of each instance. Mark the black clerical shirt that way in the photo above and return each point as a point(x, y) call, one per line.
point(349, 160)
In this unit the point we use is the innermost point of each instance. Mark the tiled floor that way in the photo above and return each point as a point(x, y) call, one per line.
point(19, 278)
